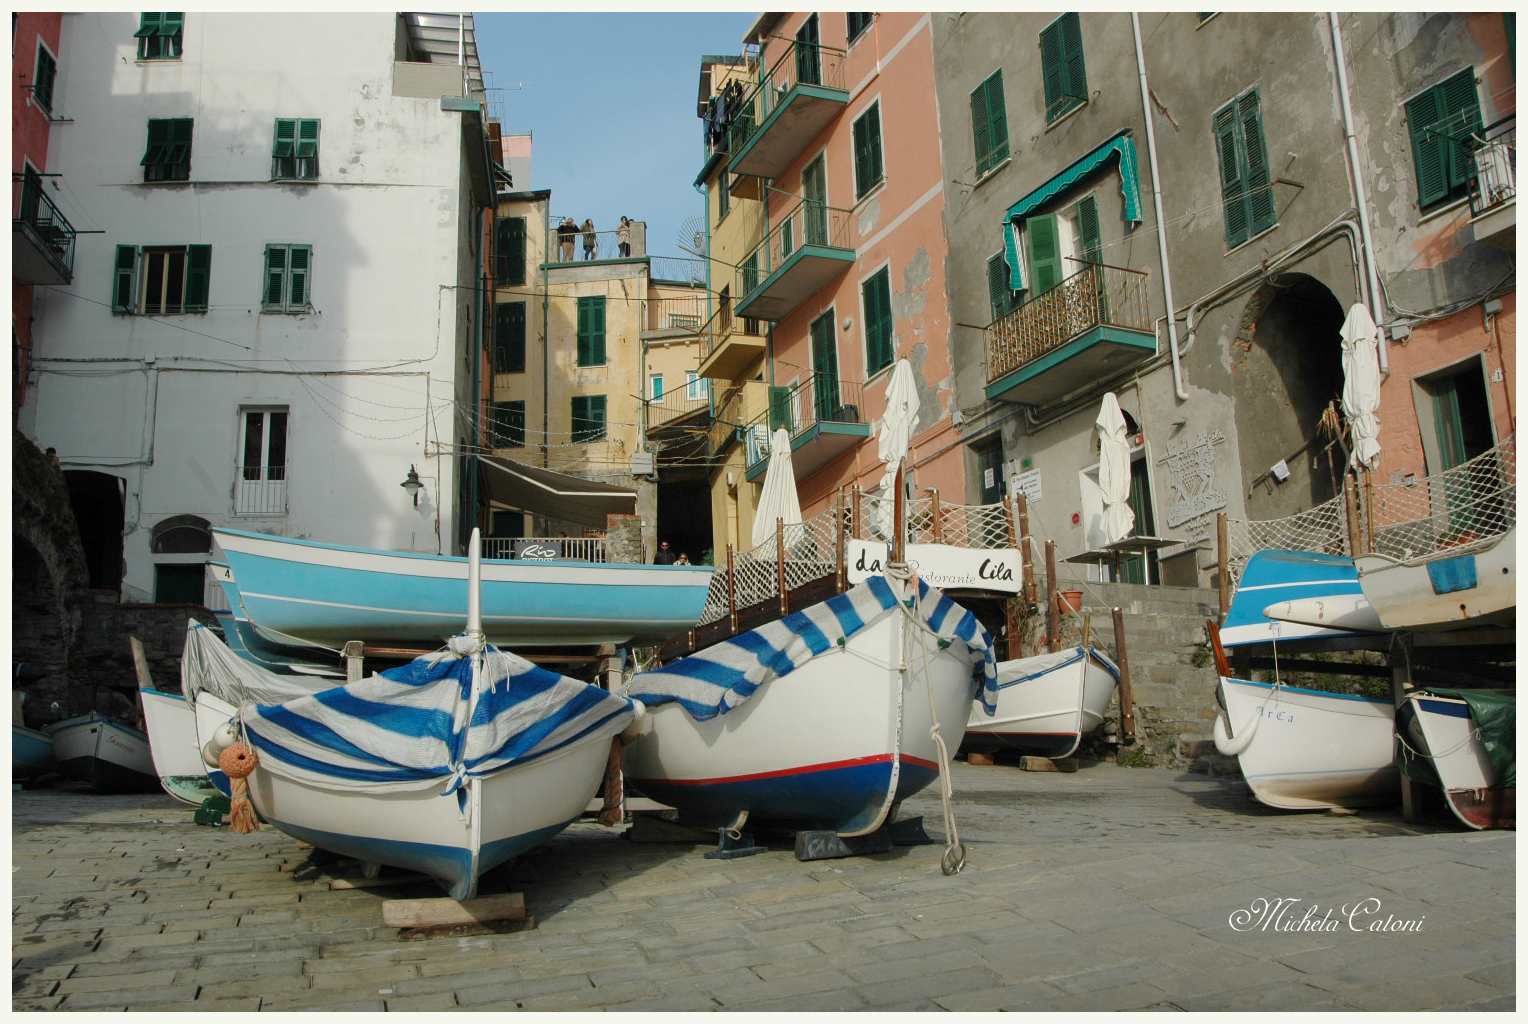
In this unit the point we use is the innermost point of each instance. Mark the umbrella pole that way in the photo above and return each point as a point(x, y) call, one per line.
point(899, 519)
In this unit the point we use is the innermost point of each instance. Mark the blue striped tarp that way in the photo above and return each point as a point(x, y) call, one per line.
point(720, 678)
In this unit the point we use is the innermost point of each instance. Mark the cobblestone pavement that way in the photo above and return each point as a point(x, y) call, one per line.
point(1108, 889)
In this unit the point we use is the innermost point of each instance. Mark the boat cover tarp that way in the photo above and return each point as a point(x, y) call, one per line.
point(407, 727)
point(202, 668)
point(549, 493)
point(1022, 670)
point(723, 676)
point(1494, 713)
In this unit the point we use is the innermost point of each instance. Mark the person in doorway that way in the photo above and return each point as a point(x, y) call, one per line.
point(591, 244)
point(665, 555)
point(683, 559)
point(567, 231)
point(623, 237)
point(52, 454)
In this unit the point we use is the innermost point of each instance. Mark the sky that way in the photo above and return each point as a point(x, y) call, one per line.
point(610, 102)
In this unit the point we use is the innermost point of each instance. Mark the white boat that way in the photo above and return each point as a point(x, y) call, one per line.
point(1460, 586)
point(449, 766)
point(110, 755)
point(170, 722)
point(821, 720)
point(1304, 749)
point(1464, 743)
point(1046, 703)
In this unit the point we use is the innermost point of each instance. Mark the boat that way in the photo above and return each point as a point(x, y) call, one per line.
point(31, 753)
point(1046, 703)
point(111, 756)
point(1463, 742)
point(170, 721)
point(1296, 595)
point(246, 640)
point(1463, 585)
point(823, 720)
point(449, 765)
point(1304, 749)
point(324, 595)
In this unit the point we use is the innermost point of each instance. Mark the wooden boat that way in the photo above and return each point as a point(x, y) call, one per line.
point(170, 721)
point(325, 595)
point(1307, 749)
point(818, 721)
point(450, 765)
point(110, 755)
point(1322, 589)
point(246, 640)
point(1046, 703)
point(1459, 586)
point(1463, 740)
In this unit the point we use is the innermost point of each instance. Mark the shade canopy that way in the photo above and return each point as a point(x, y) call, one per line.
point(541, 491)
point(778, 499)
point(1114, 470)
point(895, 437)
point(1360, 383)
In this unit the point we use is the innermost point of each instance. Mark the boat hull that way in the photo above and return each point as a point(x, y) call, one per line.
point(31, 753)
point(833, 744)
point(326, 595)
point(1443, 592)
point(1276, 578)
point(110, 756)
point(1442, 730)
point(170, 722)
point(1046, 704)
point(1308, 750)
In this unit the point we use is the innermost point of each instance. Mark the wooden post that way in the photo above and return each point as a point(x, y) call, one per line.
point(1350, 502)
point(1368, 505)
point(938, 512)
point(145, 680)
point(1022, 542)
point(854, 514)
point(841, 544)
point(1052, 609)
point(1126, 696)
point(1399, 656)
point(1223, 571)
point(780, 564)
point(731, 592)
point(899, 520)
point(1011, 622)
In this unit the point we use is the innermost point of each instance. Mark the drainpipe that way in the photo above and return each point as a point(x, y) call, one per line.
point(546, 344)
point(1360, 196)
point(1156, 205)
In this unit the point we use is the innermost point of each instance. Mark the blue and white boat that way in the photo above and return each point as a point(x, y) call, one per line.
point(325, 595)
point(170, 721)
point(31, 753)
point(1296, 595)
point(246, 640)
point(1464, 742)
point(1046, 703)
point(111, 756)
point(822, 720)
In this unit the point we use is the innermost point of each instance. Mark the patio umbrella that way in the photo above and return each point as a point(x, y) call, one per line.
point(895, 438)
point(1114, 470)
point(778, 500)
point(1360, 384)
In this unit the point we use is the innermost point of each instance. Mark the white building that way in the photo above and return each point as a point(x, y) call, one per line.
point(279, 312)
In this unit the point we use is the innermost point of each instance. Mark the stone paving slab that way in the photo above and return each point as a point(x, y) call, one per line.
point(1105, 889)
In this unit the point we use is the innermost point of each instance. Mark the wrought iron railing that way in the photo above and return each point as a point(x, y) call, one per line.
point(1098, 295)
point(799, 64)
point(806, 223)
point(722, 326)
point(678, 268)
point(676, 402)
point(1495, 157)
point(676, 313)
point(35, 210)
point(821, 398)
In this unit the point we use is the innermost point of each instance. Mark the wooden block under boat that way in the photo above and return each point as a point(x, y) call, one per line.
point(1030, 763)
point(444, 912)
point(974, 757)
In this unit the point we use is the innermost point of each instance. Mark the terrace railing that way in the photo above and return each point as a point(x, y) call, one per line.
point(1096, 296)
point(1495, 158)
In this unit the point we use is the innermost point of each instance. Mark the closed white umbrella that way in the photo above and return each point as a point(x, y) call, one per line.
point(895, 438)
point(778, 500)
point(1114, 470)
point(1360, 384)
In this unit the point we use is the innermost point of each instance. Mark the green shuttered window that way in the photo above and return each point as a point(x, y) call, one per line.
point(510, 249)
point(857, 23)
point(509, 337)
point(1246, 193)
point(876, 295)
point(1061, 66)
point(294, 154)
point(591, 330)
point(161, 280)
point(168, 154)
point(1442, 120)
point(989, 123)
point(506, 425)
point(1003, 298)
point(159, 35)
point(42, 81)
point(288, 273)
point(588, 418)
point(869, 168)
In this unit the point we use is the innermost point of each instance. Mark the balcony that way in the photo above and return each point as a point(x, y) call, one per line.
point(1493, 187)
point(42, 239)
point(730, 345)
point(673, 318)
point(1089, 327)
point(793, 101)
point(807, 249)
point(823, 417)
point(678, 423)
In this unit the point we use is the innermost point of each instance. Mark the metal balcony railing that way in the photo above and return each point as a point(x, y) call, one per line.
point(1096, 296)
point(566, 549)
point(680, 400)
point(806, 223)
point(679, 269)
point(799, 64)
point(676, 313)
point(1495, 157)
point(821, 398)
point(36, 214)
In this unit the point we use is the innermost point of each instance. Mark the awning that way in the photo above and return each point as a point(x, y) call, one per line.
point(572, 499)
point(1120, 145)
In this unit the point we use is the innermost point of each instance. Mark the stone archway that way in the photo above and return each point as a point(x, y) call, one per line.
point(1287, 364)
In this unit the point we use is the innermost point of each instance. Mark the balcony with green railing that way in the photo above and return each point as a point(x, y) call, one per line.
point(823, 417)
point(808, 247)
point(785, 110)
point(730, 345)
point(42, 239)
point(1092, 326)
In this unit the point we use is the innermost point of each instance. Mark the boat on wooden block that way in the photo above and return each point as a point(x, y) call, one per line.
point(1304, 749)
point(1296, 595)
point(821, 720)
point(1463, 585)
point(1046, 703)
point(325, 595)
point(111, 756)
point(170, 721)
point(450, 765)
point(1463, 742)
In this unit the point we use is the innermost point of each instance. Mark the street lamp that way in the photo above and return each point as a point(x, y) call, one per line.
point(412, 485)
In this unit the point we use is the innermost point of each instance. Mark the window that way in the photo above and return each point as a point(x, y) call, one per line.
point(723, 195)
point(591, 330)
point(288, 270)
point(1058, 244)
point(153, 281)
point(1004, 299)
point(506, 425)
point(1061, 66)
point(168, 156)
point(262, 470)
point(876, 296)
point(869, 168)
point(655, 386)
point(294, 156)
point(588, 418)
point(509, 337)
point(696, 387)
point(42, 79)
point(858, 22)
point(503, 523)
point(181, 544)
point(824, 368)
point(159, 35)
point(808, 53)
point(1246, 194)
point(510, 246)
point(989, 123)
point(1442, 120)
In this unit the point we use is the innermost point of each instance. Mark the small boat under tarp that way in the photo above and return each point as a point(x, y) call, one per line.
point(1046, 703)
point(1464, 741)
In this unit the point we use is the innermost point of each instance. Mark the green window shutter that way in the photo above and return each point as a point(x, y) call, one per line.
point(511, 250)
point(591, 330)
point(780, 409)
point(159, 141)
point(124, 282)
point(857, 23)
point(1061, 66)
point(1044, 247)
point(171, 23)
point(588, 418)
point(1075, 69)
point(307, 138)
point(301, 262)
point(148, 24)
point(1261, 211)
point(286, 138)
point(198, 275)
point(1232, 186)
point(42, 81)
point(867, 151)
point(275, 278)
point(998, 292)
point(876, 293)
point(1089, 243)
point(1441, 119)
point(989, 123)
point(509, 338)
point(981, 128)
point(1461, 108)
point(180, 141)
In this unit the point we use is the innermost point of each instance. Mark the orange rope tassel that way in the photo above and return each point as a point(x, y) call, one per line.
point(237, 762)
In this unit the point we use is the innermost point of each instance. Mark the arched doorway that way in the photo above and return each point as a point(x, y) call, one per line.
point(181, 546)
point(98, 503)
point(1287, 362)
